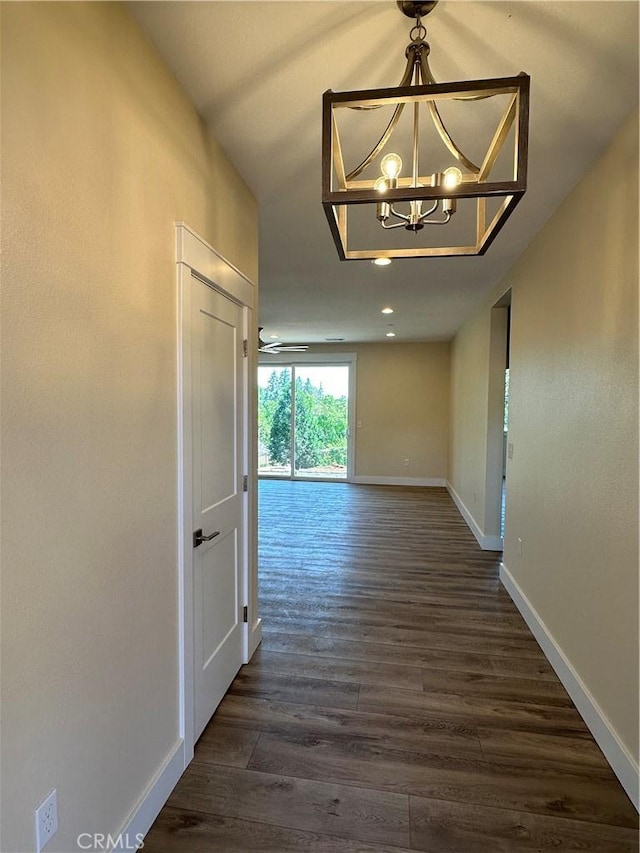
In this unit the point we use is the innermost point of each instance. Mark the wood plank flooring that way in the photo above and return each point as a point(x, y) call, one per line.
point(398, 701)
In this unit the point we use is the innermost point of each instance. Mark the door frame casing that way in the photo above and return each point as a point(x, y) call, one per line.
point(196, 258)
point(333, 359)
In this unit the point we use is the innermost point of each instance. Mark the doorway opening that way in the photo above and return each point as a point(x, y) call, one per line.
point(497, 423)
point(304, 420)
point(505, 437)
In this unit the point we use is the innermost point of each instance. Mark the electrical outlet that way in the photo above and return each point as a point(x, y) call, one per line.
point(46, 820)
point(407, 462)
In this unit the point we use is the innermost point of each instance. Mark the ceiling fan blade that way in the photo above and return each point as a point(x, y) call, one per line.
point(276, 348)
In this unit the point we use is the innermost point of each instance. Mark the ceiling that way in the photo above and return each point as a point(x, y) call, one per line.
point(256, 72)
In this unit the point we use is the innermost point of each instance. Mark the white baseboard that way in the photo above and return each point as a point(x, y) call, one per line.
point(487, 543)
point(255, 638)
point(622, 762)
point(399, 481)
point(147, 809)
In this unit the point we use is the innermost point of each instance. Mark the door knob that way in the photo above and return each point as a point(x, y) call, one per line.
point(199, 538)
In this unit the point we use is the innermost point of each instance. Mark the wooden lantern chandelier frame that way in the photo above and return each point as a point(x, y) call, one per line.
point(342, 189)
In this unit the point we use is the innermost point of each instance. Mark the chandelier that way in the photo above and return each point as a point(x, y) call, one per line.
point(458, 202)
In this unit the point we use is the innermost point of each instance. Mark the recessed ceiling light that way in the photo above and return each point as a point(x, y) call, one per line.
point(274, 336)
point(381, 262)
point(387, 311)
point(391, 334)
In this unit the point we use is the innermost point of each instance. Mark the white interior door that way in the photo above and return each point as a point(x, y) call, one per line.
point(218, 505)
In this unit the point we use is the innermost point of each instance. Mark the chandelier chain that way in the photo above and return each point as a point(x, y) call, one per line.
point(419, 30)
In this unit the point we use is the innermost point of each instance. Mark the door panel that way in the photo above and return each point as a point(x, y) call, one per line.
point(218, 504)
point(219, 406)
point(219, 593)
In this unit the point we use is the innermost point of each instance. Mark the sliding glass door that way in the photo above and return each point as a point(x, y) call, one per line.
point(321, 421)
point(274, 420)
point(303, 421)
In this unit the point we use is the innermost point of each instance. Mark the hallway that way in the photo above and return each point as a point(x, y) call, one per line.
point(398, 700)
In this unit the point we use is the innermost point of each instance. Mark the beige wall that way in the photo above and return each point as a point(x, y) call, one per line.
point(101, 155)
point(478, 361)
point(572, 485)
point(468, 426)
point(402, 403)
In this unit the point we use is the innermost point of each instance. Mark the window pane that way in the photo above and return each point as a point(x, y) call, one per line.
point(274, 420)
point(321, 421)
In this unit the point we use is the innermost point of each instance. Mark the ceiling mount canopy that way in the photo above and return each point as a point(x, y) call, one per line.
point(470, 187)
point(413, 9)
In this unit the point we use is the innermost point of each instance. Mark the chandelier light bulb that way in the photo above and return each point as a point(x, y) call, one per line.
point(391, 166)
point(451, 177)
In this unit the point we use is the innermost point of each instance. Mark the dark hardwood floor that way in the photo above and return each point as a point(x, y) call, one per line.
point(398, 701)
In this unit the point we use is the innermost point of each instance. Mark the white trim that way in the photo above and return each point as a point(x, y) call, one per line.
point(210, 265)
point(622, 762)
point(152, 799)
point(487, 543)
point(492, 543)
point(399, 481)
point(255, 638)
point(185, 512)
point(247, 537)
point(300, 478)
